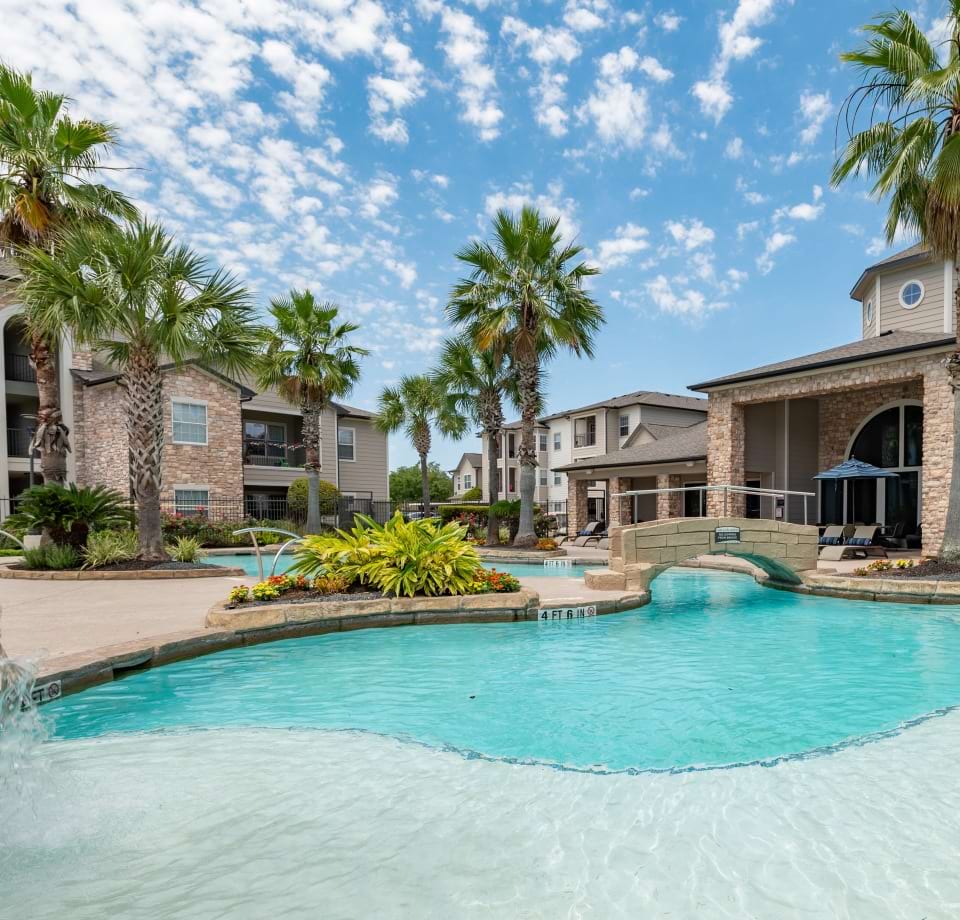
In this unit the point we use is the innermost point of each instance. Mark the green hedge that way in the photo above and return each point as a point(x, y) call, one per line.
point(451, 512)
point(297, 497)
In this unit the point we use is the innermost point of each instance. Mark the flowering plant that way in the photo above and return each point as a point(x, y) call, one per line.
point(490, 581)
point(239, 595)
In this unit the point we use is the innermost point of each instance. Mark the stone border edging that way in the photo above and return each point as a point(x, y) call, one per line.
point(902, 591)
point(82, 670)
point(120, 575)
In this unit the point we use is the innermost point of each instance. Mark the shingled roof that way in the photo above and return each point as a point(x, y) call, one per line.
point(684, 444)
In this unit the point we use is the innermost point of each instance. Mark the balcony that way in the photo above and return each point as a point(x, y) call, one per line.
point(18, 367)
point(275, 454)
point(18, 442)
point(588, 439)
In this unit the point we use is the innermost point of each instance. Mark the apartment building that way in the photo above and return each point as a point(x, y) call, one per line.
point(226, 444)
point(467, 474)
point(576, 435)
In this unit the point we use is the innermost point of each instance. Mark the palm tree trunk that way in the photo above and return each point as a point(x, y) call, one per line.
point(312, 465)
point(493, 453)
point(421, 441)
point(528, 383)
point(144, 398)
point(51, 436)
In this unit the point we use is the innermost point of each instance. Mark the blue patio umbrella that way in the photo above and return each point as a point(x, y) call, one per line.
point(856, 469)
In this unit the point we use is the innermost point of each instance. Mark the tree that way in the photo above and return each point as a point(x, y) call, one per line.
point(910, 146)
point(308, 359)
point(418, 404)
point(407, 486)
point(46, 161)
point(525, 298)
point(135, 294)
point(477, 381)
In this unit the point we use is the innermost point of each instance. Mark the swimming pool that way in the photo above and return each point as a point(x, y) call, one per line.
point(248, 563)
point(506, 770)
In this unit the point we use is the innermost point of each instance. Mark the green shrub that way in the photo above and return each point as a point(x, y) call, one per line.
point(51, 557)
point(399, 557)
point(297, 497)
point(185, 549)
point(69, 513)
point(472, 495)
point(105, 547)
point(474, 515)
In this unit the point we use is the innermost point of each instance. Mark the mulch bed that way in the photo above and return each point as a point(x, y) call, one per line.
point(933, 569)
point(308, 596)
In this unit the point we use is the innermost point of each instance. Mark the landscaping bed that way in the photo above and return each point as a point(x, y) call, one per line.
point(932, 569)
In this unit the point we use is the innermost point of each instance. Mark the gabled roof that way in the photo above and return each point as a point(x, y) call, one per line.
point(879, 346)
point(657, 432)
point(351, 411)
point(912, 255)
point(475, 460)
point(685, 444)
point(638, 397)
point(95, 378)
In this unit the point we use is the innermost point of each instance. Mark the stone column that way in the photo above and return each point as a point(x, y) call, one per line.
point(620, 508)
point(725, 454)
point(938, 437)
point(576, 505)
point(669, 504)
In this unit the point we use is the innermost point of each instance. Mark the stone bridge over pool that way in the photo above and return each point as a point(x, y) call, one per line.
point(640, 552)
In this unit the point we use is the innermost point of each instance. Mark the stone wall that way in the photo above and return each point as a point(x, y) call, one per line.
point(620, 508)
point(669, 504)
point(576, 505)
point(102, 445)
point(847, 396)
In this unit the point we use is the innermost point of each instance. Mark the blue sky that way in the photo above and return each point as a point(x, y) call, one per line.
point(351, 147)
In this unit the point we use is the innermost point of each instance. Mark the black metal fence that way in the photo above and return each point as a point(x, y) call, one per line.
point(18, 367)
point(18, 443)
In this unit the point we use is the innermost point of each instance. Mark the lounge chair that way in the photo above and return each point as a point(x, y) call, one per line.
point(832, 536)
point(592, 530)
point(604, 543)
point(862, 544)
point(894, 539)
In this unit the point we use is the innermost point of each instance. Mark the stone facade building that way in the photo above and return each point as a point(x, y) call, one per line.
point(884, 399)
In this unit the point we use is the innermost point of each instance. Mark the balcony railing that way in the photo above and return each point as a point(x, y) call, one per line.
point(18, 443)
point(18, 367)
point(258, 452)
point(584, 440)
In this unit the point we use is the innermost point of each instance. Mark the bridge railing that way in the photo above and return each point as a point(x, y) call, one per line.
point(727, 491)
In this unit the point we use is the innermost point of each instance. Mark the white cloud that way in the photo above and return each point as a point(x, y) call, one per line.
point(737, 42)
point(668, 21)
point(747, 227)
point(552, 204)
point(379, 194)
point(627, 241)
point(389, 95)
point(688, 303)
point(734, 149)
point(806, 211)
point(637, 193)
point(308, 78)
point(586, 15)
point(692, 234)
point(465, 49)
point(815, 109)
point(774, 243)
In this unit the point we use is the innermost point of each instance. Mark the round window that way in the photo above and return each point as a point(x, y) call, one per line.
point(911, 294)
point(869, 312)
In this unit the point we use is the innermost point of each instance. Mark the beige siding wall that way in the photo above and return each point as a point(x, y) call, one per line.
point(927, 316)
point(368, 473)
point(871, 328)
point(661, 415)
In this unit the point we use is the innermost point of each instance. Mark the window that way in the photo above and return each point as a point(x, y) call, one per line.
point(585, 431)
point(346, 444)
point(543, 476)
point(624, 425)
point(264, 444)
point(911, 294)
point(558, 479)
point(511, 445)
point(467, 483)
point(189, 422)
point(500, 480)
point(556, 440)
point(543, 441)
point(512, 479)
point(191, 501)
point(868, 312)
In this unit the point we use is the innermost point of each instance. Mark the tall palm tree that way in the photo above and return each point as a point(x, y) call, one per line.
point(136, 295)
point(308, 359)
point(478, 381)
point(903, 127)
point(46, 161)
point(525, 298)
point(418, 404)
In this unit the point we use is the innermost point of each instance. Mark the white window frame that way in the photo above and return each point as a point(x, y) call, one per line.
point(190, 487)
point(542, 441)
point(353, 434)
point(904, 286)
point(868, 312)
point(543, 476)
point(186, 401)
point(557, 440)
point(557, 479)
point(624, 423)
point(467, 482)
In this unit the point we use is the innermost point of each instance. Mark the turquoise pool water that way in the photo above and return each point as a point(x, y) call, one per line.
point(715, 671)
point(249, 564)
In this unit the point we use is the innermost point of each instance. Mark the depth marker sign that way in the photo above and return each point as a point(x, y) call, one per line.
point(566, 613)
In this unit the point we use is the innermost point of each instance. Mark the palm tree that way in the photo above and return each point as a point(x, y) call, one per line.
point(308, 359)
point(477, 381)
point(910, 146)
point(46, 161)
point(418, 404)
point(136, 295)
point(525, 298)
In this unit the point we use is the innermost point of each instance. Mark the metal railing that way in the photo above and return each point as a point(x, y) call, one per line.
point(253, 531)
point(18, 367)
point(257, 452)
point(18, 443)
point(727, 490)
